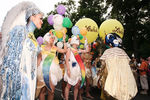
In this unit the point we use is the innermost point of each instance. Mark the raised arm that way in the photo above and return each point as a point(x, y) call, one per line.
point(65, 46)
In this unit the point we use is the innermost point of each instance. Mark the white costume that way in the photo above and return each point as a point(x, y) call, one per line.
point(55, 72)
point(75, 72)
point(120, 82)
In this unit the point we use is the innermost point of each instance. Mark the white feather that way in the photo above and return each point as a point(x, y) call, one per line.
point(15, 16)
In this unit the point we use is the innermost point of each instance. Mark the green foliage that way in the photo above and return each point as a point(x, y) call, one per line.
point(135, 17)
point(133, 14)
point(93, 9)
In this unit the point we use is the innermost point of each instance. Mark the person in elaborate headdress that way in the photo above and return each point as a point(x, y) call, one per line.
point(49, 71)
point(119, 83)
point(19, 51)
point(75, 71)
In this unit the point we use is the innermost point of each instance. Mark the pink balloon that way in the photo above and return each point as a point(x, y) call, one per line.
point(50, 19)
point(61, 10)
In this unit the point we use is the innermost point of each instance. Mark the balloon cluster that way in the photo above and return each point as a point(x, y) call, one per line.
point(79, 33)
point(59, 22)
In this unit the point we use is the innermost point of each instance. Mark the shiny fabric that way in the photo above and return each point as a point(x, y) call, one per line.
point(18, 70)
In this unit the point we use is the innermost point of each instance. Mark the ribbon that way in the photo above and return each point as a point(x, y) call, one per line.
point(46, 66)
point(82, 67)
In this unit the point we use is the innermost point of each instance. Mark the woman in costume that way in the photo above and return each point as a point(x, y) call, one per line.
point(49, 71)
point(119, 82)
point(19, 52)
point(75, 71)
point(87, 58)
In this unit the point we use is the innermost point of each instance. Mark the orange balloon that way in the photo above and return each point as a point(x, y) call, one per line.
point(64, 30)
point(83, 31)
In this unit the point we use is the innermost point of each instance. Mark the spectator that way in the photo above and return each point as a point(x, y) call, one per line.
point(143, 75)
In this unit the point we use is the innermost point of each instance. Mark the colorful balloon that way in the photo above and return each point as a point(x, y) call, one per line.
point(80, 37)
point(66, 37)
point(81, 46)
point(58, 19)
point(83, 31)
point(91, 27)
point(59, 34)
point(50, 19)
point(64, 30)
point(60, 39)
point(61, 9)
point(60, 45)
point(111, 26)
point(57, 27)
point(67, 22)
point(75, 30)
point(40, 40)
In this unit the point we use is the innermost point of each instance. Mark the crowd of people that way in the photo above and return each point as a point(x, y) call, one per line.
point(141, 71)
point(29, 71)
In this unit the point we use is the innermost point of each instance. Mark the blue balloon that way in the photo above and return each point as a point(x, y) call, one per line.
point(75, 30)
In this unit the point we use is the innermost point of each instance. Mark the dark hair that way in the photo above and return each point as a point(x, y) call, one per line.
point(143, 57)
point(28, 20)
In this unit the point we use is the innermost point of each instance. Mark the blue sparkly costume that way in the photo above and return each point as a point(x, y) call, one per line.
point(19, 64)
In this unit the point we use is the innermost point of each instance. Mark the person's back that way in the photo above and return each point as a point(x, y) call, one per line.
point(120, 76)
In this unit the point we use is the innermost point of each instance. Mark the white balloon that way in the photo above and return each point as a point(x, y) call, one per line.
point(58, 19)
point(60, 45)
point(57, 27)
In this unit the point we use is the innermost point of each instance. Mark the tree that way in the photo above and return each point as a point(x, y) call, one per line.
point(94, 9)
point(135, 16)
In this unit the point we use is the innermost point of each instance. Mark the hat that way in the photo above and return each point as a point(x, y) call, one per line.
point(32, 11)
point(74, 40)
point(114, 40)
point(47, 37)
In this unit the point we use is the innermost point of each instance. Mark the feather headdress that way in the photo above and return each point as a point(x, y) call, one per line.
point(16, 16)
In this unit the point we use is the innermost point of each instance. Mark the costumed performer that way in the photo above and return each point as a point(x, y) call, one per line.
point(120, 83)
point(49, 71)
point(87, 58)
point(75, 71)
point(19, 52)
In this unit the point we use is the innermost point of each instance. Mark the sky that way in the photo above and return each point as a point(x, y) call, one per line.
point(46, 6)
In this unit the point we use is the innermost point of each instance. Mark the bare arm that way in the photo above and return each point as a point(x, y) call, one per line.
point(67, 61)
point(65, 46)
point(39, 59)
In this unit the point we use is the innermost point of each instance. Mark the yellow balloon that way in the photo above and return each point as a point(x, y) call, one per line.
point(59, 34)
point(91, 27)
point(111, 26)
point(64, 30)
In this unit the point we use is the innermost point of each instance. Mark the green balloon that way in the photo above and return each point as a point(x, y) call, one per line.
point(80, 36)
point(66, 37)
point(70, 25)
point(60, 39)
point(81, 46)
point(67, 22)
